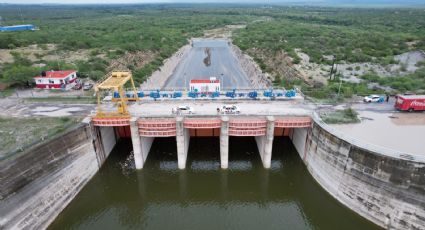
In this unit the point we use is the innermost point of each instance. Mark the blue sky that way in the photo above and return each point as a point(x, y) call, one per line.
point(354, 2)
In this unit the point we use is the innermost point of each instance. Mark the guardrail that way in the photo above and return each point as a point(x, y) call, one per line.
point(193, 123)
point(381, 150)
point(157, 127)
point(293, 122)
point(111, 121)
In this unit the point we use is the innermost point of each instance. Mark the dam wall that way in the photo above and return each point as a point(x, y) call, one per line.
point(384, 187)
point(37, 184)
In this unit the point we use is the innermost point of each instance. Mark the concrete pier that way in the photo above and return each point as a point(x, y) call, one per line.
point(224, 143)
point(137, 144)
point(182, 139)
point(265, 143)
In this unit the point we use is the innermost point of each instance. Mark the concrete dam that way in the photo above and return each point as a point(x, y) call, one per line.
point(385, 189)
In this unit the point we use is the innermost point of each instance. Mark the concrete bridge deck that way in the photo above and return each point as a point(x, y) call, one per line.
point(209, 108)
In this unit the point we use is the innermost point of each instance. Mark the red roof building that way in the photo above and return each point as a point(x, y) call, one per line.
point(205, 85)
point(55, 79)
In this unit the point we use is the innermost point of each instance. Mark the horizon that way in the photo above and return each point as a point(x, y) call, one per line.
point(355, 3)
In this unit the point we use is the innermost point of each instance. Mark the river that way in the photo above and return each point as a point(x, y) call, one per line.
point(246, 196)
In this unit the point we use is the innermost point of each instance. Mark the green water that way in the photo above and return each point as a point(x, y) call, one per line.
point(246, 196)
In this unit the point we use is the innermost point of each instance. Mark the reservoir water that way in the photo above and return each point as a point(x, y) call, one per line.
point(246, 196)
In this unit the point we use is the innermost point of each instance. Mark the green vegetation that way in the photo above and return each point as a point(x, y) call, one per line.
point(414, 82)
point(345, 116)
point(19, 133)
point(329, 93)
point(353, 35)
point(64, 100)
point(110, 32)
point(6, 93)
point(19, 72)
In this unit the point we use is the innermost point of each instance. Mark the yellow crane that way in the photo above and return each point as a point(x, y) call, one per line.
point(115, 82)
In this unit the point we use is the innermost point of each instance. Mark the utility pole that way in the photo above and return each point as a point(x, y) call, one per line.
point(339, 88)
point(332, 69)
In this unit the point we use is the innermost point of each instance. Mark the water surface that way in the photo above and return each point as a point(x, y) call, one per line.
point(246, 196)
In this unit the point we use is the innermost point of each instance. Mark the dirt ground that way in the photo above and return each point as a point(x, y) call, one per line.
point(159, 77)
point(16, 133)
point(50, 53)
point(22, 108)
point(223, 32)
point(137, 60)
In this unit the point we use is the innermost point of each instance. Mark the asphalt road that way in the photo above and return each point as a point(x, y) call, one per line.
point(224, 66)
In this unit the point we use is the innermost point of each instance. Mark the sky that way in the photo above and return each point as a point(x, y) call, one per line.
point(138, 1)
point(355, 2)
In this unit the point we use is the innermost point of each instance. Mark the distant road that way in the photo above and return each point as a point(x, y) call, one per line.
point(224, 66)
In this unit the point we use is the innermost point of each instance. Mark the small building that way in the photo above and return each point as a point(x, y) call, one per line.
point(205, 85)
point(17, 28)
point(55, 79)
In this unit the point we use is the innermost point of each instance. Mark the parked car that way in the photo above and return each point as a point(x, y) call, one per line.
point(229, 109)
point(87, 86)
point(77, 86)
point(373, 98)
point(183, 109)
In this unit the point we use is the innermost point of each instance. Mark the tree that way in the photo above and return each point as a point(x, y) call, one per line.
point(19, 75)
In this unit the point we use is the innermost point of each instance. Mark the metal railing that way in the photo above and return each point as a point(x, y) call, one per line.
point(202, 123)
point(247, 133)
point(110, 121)
point(157, 127)
point(293, 122)
point(247, 123)
point(163, 133)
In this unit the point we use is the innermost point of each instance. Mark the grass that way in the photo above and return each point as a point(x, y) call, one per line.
point(17, 134)
point(6, 93)
point(346, 116)
point(63, 100)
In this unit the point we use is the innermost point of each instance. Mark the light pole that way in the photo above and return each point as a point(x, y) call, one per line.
point(185, 82)
point(339, 88)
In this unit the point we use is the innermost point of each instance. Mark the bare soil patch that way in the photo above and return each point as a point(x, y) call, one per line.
point(407, 63)
point(134, 60)
point(49, 52)
point(222, 32)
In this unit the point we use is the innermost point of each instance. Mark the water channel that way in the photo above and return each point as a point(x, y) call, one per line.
point(246, 196)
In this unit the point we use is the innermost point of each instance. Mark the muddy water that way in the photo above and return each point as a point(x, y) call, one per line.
point(246, 196)
point(404, 132)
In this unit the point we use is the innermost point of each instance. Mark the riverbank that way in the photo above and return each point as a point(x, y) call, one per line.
point(18, 134)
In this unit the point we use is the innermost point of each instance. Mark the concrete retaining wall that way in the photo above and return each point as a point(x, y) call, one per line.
point(108, 139)
point(146, 144)
point(387, 190)
point(36, 185)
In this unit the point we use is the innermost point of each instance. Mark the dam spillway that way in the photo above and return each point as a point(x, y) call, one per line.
point(143, 132)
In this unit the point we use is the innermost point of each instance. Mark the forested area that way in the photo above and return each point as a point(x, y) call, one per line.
point(353, 35)
point(112, 30)
point(109, 32)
